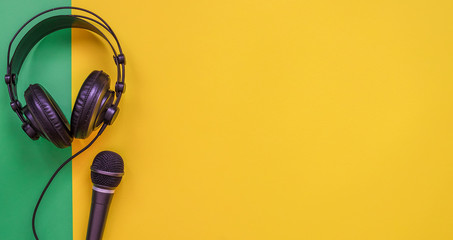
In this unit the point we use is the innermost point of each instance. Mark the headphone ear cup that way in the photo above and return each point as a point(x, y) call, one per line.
point(90, 104)
point(46, 117)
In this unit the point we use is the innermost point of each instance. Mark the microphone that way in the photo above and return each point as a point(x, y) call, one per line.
point(106, 173)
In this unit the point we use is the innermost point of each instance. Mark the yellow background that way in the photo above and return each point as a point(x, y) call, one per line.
point(276, 119)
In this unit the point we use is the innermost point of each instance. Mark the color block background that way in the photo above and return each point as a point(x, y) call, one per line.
point(26, 165)
point(250, 120)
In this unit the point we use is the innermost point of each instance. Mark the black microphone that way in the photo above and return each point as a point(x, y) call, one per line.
point(106, 173)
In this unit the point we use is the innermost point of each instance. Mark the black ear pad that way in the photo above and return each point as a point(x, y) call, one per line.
point(46, 117)
point(93, 99)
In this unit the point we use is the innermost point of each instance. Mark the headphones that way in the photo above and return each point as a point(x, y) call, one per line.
point(95, 104)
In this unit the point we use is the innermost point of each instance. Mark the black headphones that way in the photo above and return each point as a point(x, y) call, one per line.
point(95, 104)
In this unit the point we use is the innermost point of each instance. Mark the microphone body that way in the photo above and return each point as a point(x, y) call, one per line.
point(100, 204)
point(106, 173)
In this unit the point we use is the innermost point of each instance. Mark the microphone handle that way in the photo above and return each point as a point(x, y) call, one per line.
point(100, 204)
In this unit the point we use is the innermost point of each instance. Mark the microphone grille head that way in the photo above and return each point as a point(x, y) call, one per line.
point(107, 169)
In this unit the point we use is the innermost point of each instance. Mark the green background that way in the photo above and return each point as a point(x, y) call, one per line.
point(26, 165)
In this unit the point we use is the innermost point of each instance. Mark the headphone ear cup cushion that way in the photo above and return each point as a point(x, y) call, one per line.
point(87, 104)
point(47, 115)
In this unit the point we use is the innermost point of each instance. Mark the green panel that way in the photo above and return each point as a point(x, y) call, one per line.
point(26, 165)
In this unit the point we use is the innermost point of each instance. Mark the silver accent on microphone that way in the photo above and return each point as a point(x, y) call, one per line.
point(103, 190)
point(112, 174)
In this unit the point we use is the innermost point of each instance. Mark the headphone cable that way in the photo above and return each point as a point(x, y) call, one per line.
point(56, 172)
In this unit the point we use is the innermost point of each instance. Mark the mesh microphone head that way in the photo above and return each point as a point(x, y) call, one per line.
point(107, 169)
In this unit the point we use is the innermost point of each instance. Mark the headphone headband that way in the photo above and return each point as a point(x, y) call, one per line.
point(46, 27)
point(105, 25)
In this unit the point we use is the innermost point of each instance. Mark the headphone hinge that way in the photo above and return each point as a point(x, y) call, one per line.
point(121, 59)
point(15, 105)
point(7, 79)
point(120, 87)
point(10, 78)
point(110, 114)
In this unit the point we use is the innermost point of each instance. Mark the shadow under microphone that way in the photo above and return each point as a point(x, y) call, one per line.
point(106, 173)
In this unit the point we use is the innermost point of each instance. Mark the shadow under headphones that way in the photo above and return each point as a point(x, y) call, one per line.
point(95, 104)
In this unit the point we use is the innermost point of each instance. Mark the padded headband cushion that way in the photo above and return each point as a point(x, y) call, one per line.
point(48, 116)
point(88, 104)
